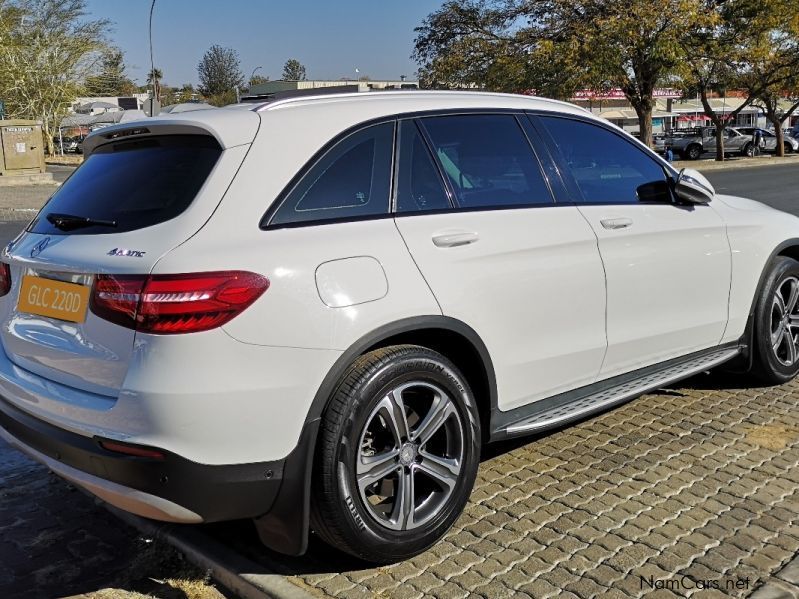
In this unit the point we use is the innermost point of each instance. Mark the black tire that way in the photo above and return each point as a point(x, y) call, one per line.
point(770, 363)
point(338, 512)
point(694, 152)
point(788, 147)
point(748, 150)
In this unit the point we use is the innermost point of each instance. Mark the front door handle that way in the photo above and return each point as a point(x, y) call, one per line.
point(454, 239)
point(616, 223)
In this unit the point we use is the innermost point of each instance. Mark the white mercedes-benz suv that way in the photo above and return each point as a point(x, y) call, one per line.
point(314, 311)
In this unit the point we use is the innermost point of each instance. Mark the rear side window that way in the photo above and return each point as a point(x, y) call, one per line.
point(132, 184)
point(607, 168)
point(419, 185)
point(488, 160)
point(353, 179)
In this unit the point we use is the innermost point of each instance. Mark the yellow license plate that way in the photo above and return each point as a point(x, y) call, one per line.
point(56, 299)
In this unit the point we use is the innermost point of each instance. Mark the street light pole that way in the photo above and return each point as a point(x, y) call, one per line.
point(253, 75)
point(152, 64)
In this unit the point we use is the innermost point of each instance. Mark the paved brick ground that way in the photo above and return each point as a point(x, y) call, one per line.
point(695, 486)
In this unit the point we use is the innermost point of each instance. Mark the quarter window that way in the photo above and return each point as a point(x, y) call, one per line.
point(607, 168)
point(351, 180)
point(419, 185)
point(488, 160)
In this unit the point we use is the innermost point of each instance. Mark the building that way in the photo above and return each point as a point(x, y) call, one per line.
point(672, 111)
point(100, 105)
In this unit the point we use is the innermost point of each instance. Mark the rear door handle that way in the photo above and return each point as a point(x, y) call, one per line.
point(616, 223)
point(454, 239)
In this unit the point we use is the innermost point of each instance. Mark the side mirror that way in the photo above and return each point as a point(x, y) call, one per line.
point(692, 186)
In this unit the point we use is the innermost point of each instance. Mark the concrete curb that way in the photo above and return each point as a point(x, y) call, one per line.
point(27, 180)
point(238, 574)
point(736, 163)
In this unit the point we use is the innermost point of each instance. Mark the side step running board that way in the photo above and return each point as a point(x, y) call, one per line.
point(610, 396)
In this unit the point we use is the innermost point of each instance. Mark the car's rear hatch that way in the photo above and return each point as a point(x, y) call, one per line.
point(136, 197)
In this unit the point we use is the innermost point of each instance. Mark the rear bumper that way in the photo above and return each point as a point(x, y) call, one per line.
point(173, 489)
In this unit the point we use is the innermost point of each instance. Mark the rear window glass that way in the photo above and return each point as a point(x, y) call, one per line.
point(130, 185)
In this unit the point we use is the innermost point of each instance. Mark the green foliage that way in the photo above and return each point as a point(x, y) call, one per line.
point(555, 47)
point(258, 80)
point(48, 48)
point(293, 70)
point(219, 72)
point(222, 99)
point(111, 79)
point(753, 47)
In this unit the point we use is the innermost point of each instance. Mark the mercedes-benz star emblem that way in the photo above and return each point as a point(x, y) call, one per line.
point(37, 249)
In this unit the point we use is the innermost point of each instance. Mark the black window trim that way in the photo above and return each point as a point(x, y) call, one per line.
point(266, 224)
point(519, 113)
point(397, 165)
point(567, 180)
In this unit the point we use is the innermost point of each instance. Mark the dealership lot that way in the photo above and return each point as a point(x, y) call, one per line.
point(678, 490)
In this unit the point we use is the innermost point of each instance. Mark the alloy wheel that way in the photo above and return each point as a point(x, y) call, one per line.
point(785, 322)
point(410, 455)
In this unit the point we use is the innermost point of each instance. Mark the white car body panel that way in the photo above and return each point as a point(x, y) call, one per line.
point(754, 231)
point(668, 281)
point(539, 270)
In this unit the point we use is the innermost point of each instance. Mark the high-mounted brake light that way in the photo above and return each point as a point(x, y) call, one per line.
point(5, 279)
point(182, 303)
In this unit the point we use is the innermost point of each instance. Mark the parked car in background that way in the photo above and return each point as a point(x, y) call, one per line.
point(70, 144)
point(202, 324)
point(691, 144)
point(769, 141)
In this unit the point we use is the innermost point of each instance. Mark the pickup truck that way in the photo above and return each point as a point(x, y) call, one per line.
point(692, 143)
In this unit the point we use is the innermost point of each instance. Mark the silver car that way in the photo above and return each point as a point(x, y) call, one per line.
point(769, 141)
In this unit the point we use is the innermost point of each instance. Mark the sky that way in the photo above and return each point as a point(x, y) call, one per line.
point(331, 38)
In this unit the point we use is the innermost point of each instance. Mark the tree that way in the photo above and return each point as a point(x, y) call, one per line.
point(186, 93)
point(219, 72)
point(154, 77)
point(47, 50)
point(293, 70)
point(751, 47)
point(111, 79)
point(258, 80)
point(555, 47)
point(779, 59)
point(222, 99)
point(769, 101)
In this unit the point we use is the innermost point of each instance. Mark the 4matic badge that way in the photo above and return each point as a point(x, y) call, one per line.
point(123, 252)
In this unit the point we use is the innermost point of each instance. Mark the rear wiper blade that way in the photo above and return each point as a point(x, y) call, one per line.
point(68, 222)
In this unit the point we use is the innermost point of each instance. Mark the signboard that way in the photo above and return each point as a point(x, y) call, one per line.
point(618, 94)
point(128, 103)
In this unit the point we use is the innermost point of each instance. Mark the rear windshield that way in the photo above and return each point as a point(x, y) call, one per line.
point(130, 185)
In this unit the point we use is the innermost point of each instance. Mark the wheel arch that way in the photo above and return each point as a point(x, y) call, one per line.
point(789, 248)
point(285, 528)
point(451, 337)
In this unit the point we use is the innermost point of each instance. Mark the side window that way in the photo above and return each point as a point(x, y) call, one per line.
point(419, 185)
point(352, 179)
point(488, 160)
point(607, 168)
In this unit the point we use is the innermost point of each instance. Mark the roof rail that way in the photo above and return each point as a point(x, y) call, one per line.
point(293, 93)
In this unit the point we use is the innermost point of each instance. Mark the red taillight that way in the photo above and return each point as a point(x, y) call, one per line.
point(5, 279)
point(184, 303)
